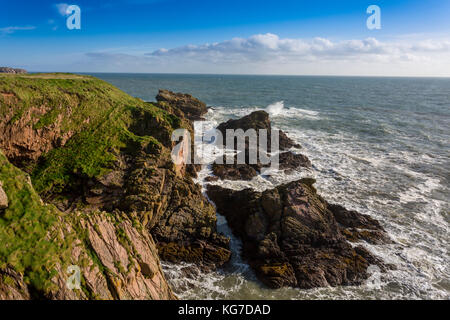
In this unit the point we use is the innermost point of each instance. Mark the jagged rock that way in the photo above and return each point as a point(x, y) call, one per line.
point(247, 171)
point(290, 161)
point(3, 198)
point(293, 237)
point(257, 120)
point(12, 70)
point(130, 256)
point(177, 214)
point(192, 108)
point(357, 226)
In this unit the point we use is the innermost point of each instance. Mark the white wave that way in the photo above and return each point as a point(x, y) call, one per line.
point(277, 111)
point(275, 108)
point(421, 191)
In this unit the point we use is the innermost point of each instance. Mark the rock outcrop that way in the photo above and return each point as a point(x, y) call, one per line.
point(192, 108)
point(293, 237)
point(12, 70)
point(257, 120)
point(246, 171)
point(287, 161)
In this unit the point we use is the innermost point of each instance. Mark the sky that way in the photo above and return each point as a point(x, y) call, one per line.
point(292, 37)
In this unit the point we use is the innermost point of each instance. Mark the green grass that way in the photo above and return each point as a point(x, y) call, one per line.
point(101, 119)
point(29, 239)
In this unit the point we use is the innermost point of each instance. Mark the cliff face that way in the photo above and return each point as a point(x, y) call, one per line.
point(114, 201)
point(116, 256)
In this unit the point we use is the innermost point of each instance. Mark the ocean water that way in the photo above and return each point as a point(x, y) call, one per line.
point(378, 145)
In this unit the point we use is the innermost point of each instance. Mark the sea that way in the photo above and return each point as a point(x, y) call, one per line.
point(380, 146)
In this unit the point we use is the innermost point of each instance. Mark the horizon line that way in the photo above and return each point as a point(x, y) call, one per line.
point(246, 74)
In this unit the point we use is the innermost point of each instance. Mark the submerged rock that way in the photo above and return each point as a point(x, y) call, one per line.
point(293, 237)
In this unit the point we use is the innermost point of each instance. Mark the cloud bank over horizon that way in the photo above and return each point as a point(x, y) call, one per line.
point(270, 54)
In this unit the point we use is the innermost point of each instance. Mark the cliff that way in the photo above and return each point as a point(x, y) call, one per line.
point(112, 200)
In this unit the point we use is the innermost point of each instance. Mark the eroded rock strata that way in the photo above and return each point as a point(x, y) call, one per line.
point(293, 237)
point(116, 256)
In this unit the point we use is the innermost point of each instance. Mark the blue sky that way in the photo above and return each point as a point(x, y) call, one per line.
point(215, 36)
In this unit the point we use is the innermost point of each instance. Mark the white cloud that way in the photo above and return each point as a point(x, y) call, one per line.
point(269, 47)
point(12, 29)
point(62, 7)
point(268, 53)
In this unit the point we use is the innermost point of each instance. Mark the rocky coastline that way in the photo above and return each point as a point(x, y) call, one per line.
point(89, 168)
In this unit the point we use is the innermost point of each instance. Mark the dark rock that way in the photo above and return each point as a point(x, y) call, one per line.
point(192, 108)
point(257, 120)
point(235, 171)
point(358, 226)
point(291, 236)
point(211, 179)
point(287, 161)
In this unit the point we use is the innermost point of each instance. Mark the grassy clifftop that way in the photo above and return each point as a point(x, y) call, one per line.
point(96, 120)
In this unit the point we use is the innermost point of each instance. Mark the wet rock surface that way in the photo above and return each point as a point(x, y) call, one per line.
point(293, 237)
point(287, 161)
